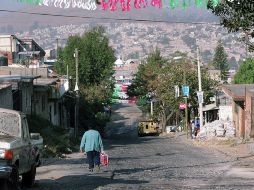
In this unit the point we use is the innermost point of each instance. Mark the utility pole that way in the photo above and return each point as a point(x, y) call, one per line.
point(200, 90)
point(186, 102)
point(57, 42)
point(152, 108)
point(77, 95)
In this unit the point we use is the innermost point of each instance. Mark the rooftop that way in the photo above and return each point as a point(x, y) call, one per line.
point(238, 91)
point(3, 86)
point(45, 81)
point(27, 78)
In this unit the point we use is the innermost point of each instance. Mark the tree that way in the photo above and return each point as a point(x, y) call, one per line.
point(220, 60)
point(245, 74)
point(237, 15)
point(96, 60)
point(146, 79)
point(160, 76)
point(96, 57)
point(169, 104)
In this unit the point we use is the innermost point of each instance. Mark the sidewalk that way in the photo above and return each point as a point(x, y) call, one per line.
point(241, 152)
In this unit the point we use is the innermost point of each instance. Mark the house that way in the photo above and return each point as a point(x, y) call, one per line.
point(6, 96)
point(242, 108)
point(48, 101)
point(25, 51)
point(10, 47)
point(33, 51)
point(22, 91)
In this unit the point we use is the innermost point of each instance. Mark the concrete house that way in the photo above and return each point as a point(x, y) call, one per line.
point(242, 108)
point(25, 51)
point(10, 47)
point(33, 51)
point(48, 100)
point(22, 91)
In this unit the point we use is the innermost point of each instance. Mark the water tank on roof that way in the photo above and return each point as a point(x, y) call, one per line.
point(3, 61)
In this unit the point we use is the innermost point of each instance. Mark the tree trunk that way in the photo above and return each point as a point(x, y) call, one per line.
point(163, 119)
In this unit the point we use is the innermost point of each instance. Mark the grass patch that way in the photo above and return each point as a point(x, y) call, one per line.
point(57, 140)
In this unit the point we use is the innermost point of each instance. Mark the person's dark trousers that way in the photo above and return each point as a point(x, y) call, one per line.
point(93, 158)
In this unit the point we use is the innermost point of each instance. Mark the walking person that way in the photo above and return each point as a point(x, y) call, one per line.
point(197, 126)
point(91, 144)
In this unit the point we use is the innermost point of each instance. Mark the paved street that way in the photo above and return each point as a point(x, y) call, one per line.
point(146, 163)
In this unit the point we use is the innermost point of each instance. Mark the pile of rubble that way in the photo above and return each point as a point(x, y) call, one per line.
point(217, 129)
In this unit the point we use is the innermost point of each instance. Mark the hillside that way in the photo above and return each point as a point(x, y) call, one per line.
point(23, 22)
point(130, 39)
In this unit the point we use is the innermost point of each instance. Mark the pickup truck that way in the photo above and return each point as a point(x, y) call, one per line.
point(19, 150)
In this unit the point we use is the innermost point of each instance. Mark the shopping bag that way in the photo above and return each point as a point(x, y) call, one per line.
point(104, 159)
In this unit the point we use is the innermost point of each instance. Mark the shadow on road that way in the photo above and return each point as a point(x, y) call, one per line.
point(134, 170)
point(81, 182)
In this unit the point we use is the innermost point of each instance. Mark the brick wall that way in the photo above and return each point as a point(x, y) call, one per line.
point(249, 115)
point(248, 108)
point(239, 119)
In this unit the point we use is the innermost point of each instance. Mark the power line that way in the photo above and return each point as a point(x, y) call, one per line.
point(105, 18)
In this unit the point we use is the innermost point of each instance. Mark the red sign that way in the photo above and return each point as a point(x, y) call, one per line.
point(182, 106)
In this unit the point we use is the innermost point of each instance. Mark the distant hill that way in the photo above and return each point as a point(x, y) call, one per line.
point(19, 22)
point(129, 39)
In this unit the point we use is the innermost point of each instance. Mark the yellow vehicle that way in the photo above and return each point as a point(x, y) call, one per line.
point(148, 127)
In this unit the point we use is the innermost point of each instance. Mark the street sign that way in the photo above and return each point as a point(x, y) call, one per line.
point(177, 94)
point(200, 97)
point(186, 90)
point(182, 106)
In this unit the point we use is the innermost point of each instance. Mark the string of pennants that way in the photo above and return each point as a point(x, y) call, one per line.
point(124, 5)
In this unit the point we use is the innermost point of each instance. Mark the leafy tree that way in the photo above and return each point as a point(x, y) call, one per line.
point(237, 15)
point(146, 79)
point(245, 74)
point(169, 104)
point(220, 60)
point(160, 76)
point(96, 59)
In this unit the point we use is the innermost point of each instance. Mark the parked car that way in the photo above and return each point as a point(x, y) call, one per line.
point(19, 150)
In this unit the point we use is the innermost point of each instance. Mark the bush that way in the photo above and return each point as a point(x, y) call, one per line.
point(56, 139)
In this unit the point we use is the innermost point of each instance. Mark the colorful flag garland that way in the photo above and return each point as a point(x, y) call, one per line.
point(114, 5)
